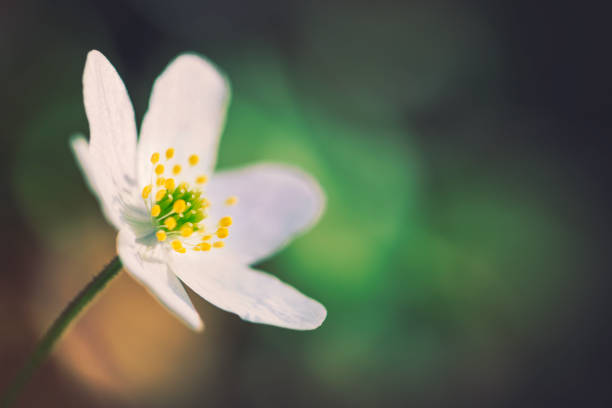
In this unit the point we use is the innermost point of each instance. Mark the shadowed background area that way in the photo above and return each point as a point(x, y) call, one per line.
point(463, 257)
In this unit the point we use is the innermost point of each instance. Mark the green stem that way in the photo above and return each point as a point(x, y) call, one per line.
point(69, 315)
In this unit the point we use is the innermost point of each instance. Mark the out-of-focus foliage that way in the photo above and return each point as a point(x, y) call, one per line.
point(444, 257)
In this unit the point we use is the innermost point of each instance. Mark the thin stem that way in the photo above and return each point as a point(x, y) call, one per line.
point(68, 316)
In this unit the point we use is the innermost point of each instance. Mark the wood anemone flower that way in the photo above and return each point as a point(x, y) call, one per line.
point(180, 221)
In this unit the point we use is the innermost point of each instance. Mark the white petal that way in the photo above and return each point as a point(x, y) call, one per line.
point(155, 275)
point(253, 295)
point(80, 147)
point(112, 146)
point(275, 202)
point(186, 112)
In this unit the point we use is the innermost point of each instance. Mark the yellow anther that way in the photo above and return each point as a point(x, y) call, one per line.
point(179, 206)
point(176, 169)
point(169, 153)
point(194, 159)
point(160, 181)
point(184, 186)
point(146, 191)
point(206, 237)
point(225, 221)
point(218, 244)
point(159, 169)
point(205, 202)
point(201, 179)
point(186, 231)
point(155, 210)
point(160, 194)
point(170, 223)
point(178, 246)
point(231, 200)
point(204, 246)
point(169, 184)
point(161, 235)
point(222, 232)
point(154, 158)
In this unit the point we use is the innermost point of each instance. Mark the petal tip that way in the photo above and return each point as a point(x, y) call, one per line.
point(319, 315)
point(194, 63)
point(199, 326)
point(78, 142)
point(193, 322)
point(94, 53)
point(96, 57)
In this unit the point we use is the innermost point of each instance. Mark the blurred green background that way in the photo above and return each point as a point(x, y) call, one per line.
point(463, 256)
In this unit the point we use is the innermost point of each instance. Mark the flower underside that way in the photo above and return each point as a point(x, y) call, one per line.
point(179, 212)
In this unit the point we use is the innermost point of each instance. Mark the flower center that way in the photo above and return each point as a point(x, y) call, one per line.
point(179, 212)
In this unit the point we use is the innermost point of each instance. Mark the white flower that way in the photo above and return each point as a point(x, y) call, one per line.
point(178, 219)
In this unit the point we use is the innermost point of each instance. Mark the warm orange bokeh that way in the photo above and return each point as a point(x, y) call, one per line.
point(126, 344)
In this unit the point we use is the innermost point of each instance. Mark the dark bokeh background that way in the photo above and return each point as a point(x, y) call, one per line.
point(463, 259)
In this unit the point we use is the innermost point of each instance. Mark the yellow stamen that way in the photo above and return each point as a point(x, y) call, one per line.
point(176, 169)
point(146, 191)
point(179, 206)
point(159, 169)
point(160, 181)
point(161, 235)
point(204, 246)
point(178, 246)
point(194, 159)
point(218, 244)
point(155, 210)
point(206, 237)
point(160, 194)
point(184, 186)
point(154, 158)
point(169, 184)
point(222, 232)
point(170, 223)
point(231, 200)
point(169, 153)
point(201, 179)
point(225, 221)
point(186, 231)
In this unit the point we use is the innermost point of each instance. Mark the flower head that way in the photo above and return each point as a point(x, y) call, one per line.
point(179, 221)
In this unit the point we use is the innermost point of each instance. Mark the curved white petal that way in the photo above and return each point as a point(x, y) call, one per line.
point(112, 146)
point(253, 295)
point(275, 202)
point(154, 274)
point(80, 148)
point(186, 112)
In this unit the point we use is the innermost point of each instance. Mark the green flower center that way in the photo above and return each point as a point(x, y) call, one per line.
point(178, 211)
